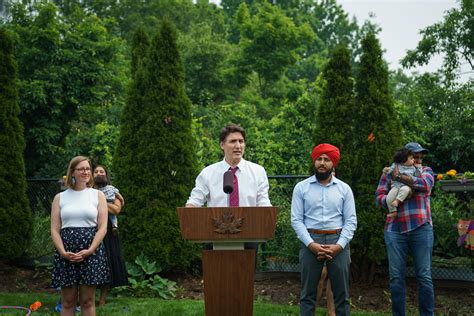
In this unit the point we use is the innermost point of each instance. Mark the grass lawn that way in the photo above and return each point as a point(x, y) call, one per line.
point(142, 306)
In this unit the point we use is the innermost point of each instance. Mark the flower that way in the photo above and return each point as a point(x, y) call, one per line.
point(454, 175)
point(35, 306)
point(451, 174)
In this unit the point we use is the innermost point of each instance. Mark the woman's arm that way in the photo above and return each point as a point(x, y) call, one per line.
point(120, 197)
point(56, 227)
point(116, 207)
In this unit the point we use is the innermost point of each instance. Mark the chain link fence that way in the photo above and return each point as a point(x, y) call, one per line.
point(41, 193)
point(281, 253)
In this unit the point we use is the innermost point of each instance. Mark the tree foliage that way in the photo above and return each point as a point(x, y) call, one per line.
point(440, 116)
point(337, 111)
point(377, 136)
point(155, 164)
point(274, 67)
point(205, 53)
point(332, 27)
point(71, 73)
point(269, 41)
point(453, 37)
point(15, 213)
point(294, 127)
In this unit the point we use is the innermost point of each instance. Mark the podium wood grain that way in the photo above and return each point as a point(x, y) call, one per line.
point(228, 282)
point(196, 223)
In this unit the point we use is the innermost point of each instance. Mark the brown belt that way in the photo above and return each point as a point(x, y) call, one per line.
point(324, 232)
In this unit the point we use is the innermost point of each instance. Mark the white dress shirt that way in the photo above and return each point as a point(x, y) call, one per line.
point(329, 207)
point(252, 179)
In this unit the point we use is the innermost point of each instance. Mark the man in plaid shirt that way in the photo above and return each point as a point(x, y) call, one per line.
point(412, 229)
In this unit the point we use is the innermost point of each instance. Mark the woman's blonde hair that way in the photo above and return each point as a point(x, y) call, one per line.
point(72, 166)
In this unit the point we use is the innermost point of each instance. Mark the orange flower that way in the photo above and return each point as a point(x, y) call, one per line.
point(439, 176)
point(35, 306)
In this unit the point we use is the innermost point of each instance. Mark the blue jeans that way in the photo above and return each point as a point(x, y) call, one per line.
point(420, 243)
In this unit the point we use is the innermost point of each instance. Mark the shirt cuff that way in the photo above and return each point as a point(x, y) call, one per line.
point(194, 202)
point(342, 242)
point(306, 240)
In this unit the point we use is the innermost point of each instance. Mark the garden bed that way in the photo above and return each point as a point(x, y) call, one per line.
point(277, 288)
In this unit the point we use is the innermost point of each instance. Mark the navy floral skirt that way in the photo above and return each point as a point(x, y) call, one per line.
point(92, 271)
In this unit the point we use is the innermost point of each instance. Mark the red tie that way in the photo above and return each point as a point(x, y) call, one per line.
point(234, 196)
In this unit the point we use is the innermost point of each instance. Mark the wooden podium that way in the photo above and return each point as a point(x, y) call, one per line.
point(228, 269)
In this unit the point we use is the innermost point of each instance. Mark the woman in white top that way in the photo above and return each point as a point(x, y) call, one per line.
point(78, 225)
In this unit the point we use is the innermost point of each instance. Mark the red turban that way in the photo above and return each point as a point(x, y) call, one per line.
point(328, 149)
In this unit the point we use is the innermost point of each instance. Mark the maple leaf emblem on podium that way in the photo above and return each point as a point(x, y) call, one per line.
point(227, 224)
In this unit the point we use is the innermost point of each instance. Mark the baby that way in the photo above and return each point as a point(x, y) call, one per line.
point(399, 191)
point(102, 183)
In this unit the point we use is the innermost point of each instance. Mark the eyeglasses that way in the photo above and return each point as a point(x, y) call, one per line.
point(418, 157)
point(82, 170)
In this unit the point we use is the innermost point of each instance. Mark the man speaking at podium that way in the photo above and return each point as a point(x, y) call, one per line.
point(250, 182)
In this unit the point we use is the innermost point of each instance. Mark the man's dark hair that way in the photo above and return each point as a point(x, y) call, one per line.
point(229, 129)
point(401, 155)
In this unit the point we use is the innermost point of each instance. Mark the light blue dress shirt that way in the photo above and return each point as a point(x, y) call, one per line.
point(316, 206)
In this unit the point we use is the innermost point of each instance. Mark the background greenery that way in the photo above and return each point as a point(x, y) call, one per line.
point(15, 212)
point(292, 74)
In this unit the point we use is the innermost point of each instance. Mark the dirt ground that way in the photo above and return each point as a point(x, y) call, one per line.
point(452, 298)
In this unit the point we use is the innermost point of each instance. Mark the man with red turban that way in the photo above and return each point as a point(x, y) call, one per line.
point(324, 218)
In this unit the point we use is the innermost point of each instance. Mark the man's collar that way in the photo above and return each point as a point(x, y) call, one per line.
point(240, 165)
point(334, 180)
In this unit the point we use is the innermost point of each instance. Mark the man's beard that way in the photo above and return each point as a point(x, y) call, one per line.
point(321, 176)
point(101, 181)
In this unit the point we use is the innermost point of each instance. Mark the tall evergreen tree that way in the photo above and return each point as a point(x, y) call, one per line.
point(15, 213)
point(378, 135)
point(336, 112)
point(140, 45)
point(155, 163)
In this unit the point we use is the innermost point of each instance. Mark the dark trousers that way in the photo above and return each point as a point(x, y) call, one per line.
point(338, 271)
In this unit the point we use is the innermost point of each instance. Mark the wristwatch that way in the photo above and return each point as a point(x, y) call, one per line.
point(397, 177)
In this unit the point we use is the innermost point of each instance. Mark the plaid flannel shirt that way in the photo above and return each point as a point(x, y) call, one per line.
point(413, 212)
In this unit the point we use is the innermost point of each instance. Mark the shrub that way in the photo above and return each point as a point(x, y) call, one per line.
point(155, 164)
point(145, 281)
point(377, 135)
point(446, 210)
point(15, 213)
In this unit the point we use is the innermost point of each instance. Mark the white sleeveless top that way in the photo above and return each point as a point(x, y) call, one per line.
point(79, 208)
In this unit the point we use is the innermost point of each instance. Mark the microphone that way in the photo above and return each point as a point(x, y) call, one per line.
point(228, 182)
